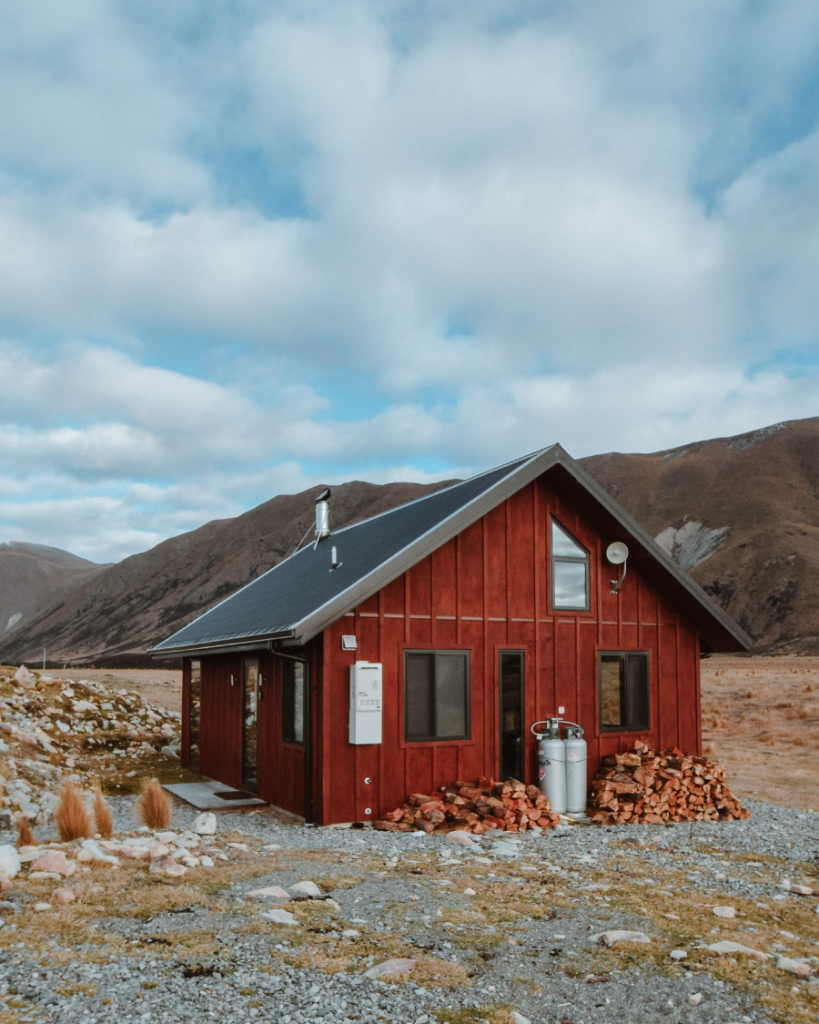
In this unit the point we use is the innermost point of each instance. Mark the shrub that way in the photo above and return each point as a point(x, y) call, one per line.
point(25, 837)
point(102, 814)
point(71, 816)
point(154, 806)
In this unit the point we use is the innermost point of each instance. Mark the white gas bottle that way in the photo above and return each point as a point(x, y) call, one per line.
point(551, 764)
point(576, 771)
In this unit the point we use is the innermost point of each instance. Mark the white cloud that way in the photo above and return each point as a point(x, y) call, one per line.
point(268, 246)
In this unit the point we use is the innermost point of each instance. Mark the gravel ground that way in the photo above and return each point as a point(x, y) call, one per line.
point(545, 966)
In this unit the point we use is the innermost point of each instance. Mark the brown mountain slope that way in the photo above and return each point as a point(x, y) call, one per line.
point(117, 615)
point(33, 577)
point(742, 515)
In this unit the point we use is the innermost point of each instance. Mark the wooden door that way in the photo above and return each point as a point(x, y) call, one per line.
point(284, 733)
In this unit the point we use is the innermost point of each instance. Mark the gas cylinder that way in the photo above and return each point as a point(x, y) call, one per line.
point(551, 764)
point(576, 781)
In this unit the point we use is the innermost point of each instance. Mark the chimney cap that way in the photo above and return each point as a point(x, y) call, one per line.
point(325, 494)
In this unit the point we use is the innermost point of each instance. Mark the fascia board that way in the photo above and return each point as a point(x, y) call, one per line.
point(225, 646)
point(654, 549)
point(424, 545)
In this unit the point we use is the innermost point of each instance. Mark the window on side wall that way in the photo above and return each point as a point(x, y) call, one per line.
point(624, 692)
point(570, 571)
point(294, 677)
point(436, 695)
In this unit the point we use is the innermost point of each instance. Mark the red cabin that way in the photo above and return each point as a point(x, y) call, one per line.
point(470, 614)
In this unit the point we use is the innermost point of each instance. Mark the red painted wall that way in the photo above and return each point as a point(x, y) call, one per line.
point(281, 765)
point(485, 591)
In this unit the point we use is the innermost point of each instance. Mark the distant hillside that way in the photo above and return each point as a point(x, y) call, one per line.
point(114, 617)
point(34, 577)
point(741, 514)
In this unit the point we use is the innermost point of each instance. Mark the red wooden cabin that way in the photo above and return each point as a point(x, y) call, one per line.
point(488, 606)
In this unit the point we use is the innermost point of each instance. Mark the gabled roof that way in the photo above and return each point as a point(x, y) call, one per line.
point(302, 595)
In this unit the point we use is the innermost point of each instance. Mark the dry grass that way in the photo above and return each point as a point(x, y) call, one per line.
point(103, 818)
point(760, 717)
point(25, 837)
point(154, 806)
point(71, 816)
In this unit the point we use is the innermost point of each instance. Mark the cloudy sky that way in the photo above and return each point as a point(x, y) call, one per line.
point(247, 247)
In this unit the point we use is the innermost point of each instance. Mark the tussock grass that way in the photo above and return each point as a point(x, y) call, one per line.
point(71, 816)
point(154, 806)
point(25, 837)
point(102, 814)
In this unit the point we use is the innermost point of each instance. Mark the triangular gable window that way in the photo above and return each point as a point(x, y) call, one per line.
point(570, 571)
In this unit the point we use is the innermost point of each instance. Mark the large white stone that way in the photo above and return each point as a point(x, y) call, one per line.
point(278, 916)
point(726, 946)
point(609, 938)
point(23, 677)
point(784, 963)
point(9, 861)
point(460, 838)
point(205, 824)
point(307, 888)
point(724, 912)
point(390, 968)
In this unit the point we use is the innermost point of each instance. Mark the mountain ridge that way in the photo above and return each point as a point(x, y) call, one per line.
point(740, 513)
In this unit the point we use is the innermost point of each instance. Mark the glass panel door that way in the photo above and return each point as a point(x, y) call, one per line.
point(194, 708)
point(250, 728)
point(511, 716)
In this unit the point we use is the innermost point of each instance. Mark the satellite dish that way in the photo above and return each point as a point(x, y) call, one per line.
point(617, 553)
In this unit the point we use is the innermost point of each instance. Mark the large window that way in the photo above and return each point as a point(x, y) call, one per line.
point(570, 571)
point(294, 674)
point(624, 692)
point(436, 695)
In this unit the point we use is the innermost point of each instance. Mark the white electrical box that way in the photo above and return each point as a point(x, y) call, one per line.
point(365, 702)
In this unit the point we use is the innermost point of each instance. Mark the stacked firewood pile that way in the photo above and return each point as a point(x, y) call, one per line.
point(509, 806)
point(650, 787)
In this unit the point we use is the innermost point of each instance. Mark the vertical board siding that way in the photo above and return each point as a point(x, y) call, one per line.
point(220, 722)
point(485, 591)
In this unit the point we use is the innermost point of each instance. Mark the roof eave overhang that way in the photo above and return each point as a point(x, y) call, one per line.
point(229, 646)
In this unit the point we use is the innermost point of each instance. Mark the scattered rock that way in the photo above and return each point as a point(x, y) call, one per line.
point(38, 907)
point(793, 967)
point(91, 851)
point(391, 968)
point(724, 912)
point(54, 861)
point(63, 895)
point(695, 999)
point(270, 890)
point(167, 866)
point(308, 888)
point(802, 890)
point(609, 938)
point(518, 1018)
point(678, 954)
point(470, 892)
point(205, 824)
point(9, 861)
point(726, 946)
point(279, 916)
point(460, 838)
point(350, 933)
point(24, 678)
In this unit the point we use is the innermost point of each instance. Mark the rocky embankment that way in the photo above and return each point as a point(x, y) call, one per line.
point(55, 729)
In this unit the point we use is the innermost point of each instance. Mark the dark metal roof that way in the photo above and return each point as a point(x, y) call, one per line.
point(291, 593)
point(302, 595)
